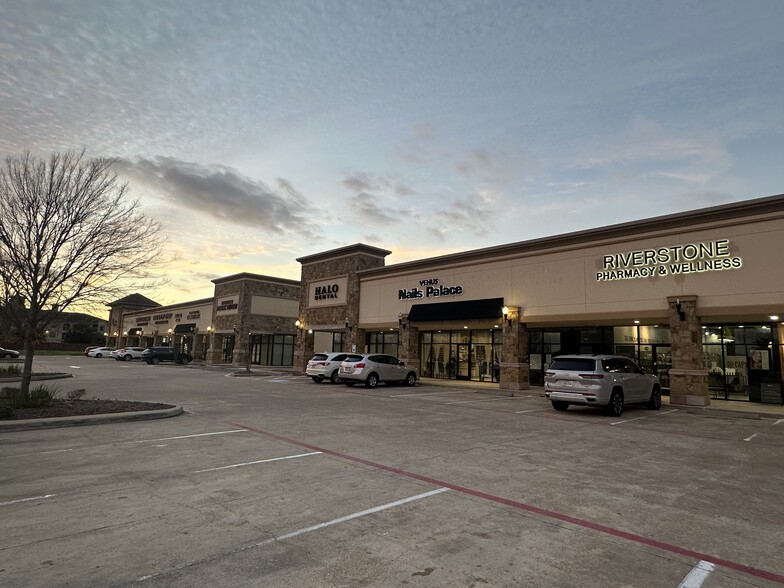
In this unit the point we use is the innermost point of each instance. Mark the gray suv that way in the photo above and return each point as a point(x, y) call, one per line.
point(607, 381)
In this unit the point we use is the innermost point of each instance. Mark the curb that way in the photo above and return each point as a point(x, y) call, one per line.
point(89, 419)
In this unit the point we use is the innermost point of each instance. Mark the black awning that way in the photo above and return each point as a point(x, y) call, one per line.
point(133, 332)
point(464, 309)
point(185, 328)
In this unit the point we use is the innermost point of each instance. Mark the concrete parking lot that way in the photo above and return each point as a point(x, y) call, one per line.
point(272, 480)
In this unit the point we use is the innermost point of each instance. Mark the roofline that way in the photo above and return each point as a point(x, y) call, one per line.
point(249, 276)
point(344, 251)
point(727, 213)
point(170, 306)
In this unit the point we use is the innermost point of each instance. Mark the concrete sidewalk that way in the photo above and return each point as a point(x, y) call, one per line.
point(724, 407)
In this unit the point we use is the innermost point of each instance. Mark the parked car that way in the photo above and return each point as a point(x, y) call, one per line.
point(372, 368)
point(607, 381)
point(8, 352)
point(325, 366)
point(100, 351)
point(158, 354)
point(127, 353)
point(87, 350)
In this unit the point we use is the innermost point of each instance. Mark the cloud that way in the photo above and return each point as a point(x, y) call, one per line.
point(374, 209)
point(224, 194)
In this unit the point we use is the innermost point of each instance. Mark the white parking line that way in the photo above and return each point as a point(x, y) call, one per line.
point(293, 534)
point(480, 400)
point(644, 417)
point(530, 410)
point(247, 463)
point(27, 499)
point(697, 575)
point(188, 436)
point(777, 422)
point(424, 393)
point(752, 437)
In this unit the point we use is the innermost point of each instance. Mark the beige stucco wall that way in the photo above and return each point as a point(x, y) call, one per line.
point(560, 286)
point(201, 315)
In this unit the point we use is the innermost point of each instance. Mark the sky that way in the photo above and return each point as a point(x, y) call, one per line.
point(260, 132)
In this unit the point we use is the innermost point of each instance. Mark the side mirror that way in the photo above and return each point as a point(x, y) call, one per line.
point(401, 363)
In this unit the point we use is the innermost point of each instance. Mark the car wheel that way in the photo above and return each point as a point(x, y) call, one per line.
point(655, 402)
point(335, 378)
point(156, 360)
point(316, 379)
point(615, 407)
point(372, 381)
point(185, 360)
point(5, 355)
point(410, 379)
point(349, 384)
point(128, 357)
point(98, 355)
point(560, 404)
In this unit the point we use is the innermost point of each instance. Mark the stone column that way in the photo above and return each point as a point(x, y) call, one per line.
point(303, 350)
point(198, 346)
point(515, 368)
point(688, 377)
point(215, 352)
point(408, 345)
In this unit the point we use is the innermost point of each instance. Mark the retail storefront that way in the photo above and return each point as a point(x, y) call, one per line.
point(694, 297)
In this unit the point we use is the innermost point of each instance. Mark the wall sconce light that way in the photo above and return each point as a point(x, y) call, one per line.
point(400, 322)
point(298, 324)
point(115, 333)
point(170, 332)
point(125, 333)
point(505, 312)
point(348, 325)
point(681, 313)
point(210, 328)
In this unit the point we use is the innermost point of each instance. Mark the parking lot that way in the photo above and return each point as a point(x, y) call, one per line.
point(273, 480)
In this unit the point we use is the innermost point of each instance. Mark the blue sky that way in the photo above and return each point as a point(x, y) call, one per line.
point(259, 132)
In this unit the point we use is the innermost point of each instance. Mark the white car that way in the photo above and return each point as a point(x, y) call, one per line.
point(100, 352)
point(372, 368)
point(127, 353)
point(325, 366)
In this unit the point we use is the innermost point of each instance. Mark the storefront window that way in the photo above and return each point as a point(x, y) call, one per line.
point(742, 361)
point(273, 350)
point(382, 342)
point(461, 355)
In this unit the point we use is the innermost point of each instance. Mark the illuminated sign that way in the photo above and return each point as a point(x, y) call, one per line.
point(431, 288)
point(691, 258)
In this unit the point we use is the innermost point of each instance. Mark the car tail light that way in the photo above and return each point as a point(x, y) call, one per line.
point(323, 363)
point(359, 365)
point(592, 376)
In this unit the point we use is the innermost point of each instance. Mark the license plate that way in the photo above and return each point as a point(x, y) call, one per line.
point(567, 384)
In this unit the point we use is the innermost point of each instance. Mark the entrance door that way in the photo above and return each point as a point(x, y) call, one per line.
point(463, 371)
point(657, 360)
point(228, 349)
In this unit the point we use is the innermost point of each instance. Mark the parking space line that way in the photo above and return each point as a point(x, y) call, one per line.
point(542, 512)
point(479, 400)
point(777, 422)
point(247, 463)
point(27, 499)
point(644, 417)
point(530, 410)
point(415, 394)
point(697, 575)
point(189, 436)
point(292, 534)
point(752, 437)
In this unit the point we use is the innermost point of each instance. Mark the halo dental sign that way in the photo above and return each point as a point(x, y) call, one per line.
point(675, 260)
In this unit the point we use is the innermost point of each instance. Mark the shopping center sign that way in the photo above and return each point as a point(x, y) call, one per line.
point(704, 256)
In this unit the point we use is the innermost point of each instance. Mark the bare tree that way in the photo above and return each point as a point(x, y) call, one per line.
point(69, 233)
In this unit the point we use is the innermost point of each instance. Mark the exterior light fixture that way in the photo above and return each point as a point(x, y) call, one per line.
point(170, 331)
point(400, 322)
point(636, 322)
point(348, 325)
point(505, 312)
point(298, 324)
point(774, 317)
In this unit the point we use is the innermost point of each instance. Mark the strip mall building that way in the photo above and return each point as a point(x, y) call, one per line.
point(695, 297)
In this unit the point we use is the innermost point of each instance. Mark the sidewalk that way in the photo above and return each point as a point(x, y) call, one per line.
point(724, 407)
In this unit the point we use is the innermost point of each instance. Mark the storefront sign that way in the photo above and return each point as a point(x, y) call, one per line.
point(430, 288)
point(227, 305)
point(691, 258)
point(328, 292)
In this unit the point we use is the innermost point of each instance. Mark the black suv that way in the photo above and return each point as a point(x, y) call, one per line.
point(159, 354)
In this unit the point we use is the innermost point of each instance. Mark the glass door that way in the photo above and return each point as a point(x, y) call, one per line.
point(463, 366)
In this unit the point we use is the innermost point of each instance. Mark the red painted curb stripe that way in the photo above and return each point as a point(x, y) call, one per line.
point(752, 571)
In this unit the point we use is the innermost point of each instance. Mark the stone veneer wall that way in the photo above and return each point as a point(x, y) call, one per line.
point(243, 323)
point(514, 370)
point(347, 264)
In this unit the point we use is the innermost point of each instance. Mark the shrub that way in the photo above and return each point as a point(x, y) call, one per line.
point(10, 370)
point(76, 394)
point(36, 398)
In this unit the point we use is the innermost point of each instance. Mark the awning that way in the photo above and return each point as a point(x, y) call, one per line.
point(464, 309)
point(185, 328)
point(133, 332)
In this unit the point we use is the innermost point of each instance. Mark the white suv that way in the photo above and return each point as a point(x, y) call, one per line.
point(325, 366)
point(372, 368)
point(609, 381)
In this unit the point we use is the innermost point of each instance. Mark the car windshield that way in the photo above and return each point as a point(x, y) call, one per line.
point(573, 364)
point(353, 358)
